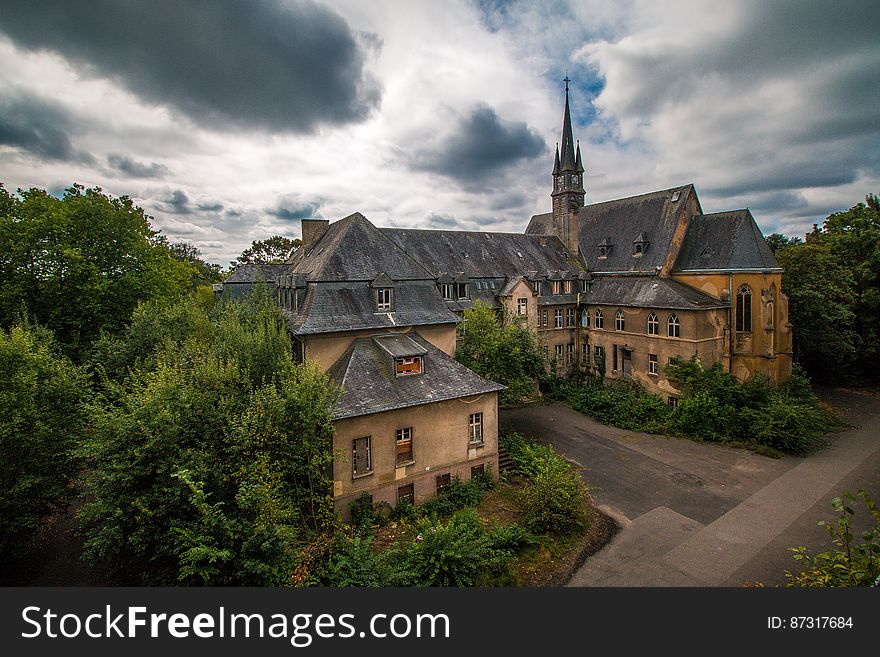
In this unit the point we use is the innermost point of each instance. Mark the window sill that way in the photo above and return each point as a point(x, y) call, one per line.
point(403, 464)
point(653, 374)
point(361, 475)
point(476, 445)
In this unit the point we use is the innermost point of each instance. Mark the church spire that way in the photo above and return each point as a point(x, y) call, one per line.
point(567, 156)
point(556, 161)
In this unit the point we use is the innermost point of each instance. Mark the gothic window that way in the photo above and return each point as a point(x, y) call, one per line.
point(673, 327)
point(619, 321)
point(600, 319)
point(744, 308)
point(653, 324)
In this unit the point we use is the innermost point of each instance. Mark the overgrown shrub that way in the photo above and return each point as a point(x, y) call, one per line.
point(457, 553)
point(459, 495)
point(848, 563)
point(554, 496)
point(353, 563)
point(714, 406)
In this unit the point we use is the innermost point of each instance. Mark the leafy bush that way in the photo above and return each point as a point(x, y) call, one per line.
point(848, 563)
point(459, 495)
point(458, 553)
point(511, 537)
point(353, 562)
point(714, 406)
point(554, 496)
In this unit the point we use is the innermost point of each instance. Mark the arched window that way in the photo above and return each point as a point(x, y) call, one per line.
point(673, 327)
point(653, 324)
point(619, 321)
point(585, 318)
point(744, 308)
point(600, 320)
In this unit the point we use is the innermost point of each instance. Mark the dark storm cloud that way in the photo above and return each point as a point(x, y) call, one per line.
point(479, 145)
point(131, 168)
point(213, 206)
point(443, 221)
point(294, 210)
point(178, 202)
point(39, 127)
point(264, 65)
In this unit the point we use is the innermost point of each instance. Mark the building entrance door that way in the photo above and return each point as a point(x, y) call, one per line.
point(627, 363)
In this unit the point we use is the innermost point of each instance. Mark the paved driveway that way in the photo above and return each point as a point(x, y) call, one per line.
point(699, 514)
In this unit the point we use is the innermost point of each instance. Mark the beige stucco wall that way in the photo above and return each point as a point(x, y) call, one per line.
point(768, 348)
point(326, 348)
point(702, 335)
point(440, 445)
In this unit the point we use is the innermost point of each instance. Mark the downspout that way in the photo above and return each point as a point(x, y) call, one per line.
point(730, 325)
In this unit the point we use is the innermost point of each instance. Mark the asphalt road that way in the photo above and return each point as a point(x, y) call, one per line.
point(699, 514)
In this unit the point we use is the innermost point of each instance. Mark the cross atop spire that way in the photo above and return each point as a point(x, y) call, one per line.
point(567, 154)
point(566, 80)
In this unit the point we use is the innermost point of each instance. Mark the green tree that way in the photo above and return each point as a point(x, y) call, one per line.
point(275, 249)
point(210, 461)
point(80, 265)
point(777, 241)
point(505, 351)
point(41, 424)
point(205, 272)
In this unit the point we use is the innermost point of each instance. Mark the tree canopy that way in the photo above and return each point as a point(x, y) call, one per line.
point(42, 420)
point(80, 265)
point(275, 249)
point(832, 280)
point(503, 350)
point(210, 458)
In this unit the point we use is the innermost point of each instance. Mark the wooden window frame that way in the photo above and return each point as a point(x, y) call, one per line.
point(673, 326)
point(475, 429)
point(355, 474)
point(569, 316)
point(558, 319)
point(522, 306)
point(406, 366)
point(600, 319)
point(384, 305)
point(653, 324)
point(409, 495)
point(619, 321)
point(653, 365)
point(403, 442)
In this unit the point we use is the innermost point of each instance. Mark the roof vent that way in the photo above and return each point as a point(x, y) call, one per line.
point(519, 254)
point(675, 195)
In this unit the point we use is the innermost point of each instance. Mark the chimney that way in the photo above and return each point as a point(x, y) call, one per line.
point(571, 230)
point(312, 230)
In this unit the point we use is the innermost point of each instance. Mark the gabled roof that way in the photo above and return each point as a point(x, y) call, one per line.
point(353, 249)
point(480, 254)
point(368, 383)
point(623, 220)
point(620, 222)
point(725, 240)
point(648, 292)
point(348, 306)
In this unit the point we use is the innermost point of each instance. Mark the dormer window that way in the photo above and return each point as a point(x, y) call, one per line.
point(408, 366)
point(640, 244)
point(446, 289)
point(568, 287)
point(557, 287)
point(539, 288)
point(462, 290)
point(384, 297)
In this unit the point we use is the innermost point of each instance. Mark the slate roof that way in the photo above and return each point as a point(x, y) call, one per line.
point(648, 292)
point(725, 240)
point(353, 249)
point(365, 374)
point(619, 222)
point(258, 272)
point(348, 306)
point(480, 254)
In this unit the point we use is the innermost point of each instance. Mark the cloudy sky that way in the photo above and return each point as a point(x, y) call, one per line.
point(228, 121)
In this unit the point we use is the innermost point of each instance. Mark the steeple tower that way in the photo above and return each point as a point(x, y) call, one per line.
point(568, 177)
